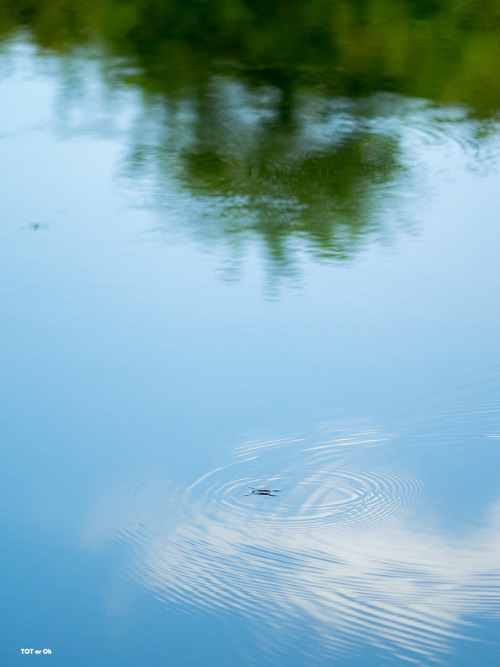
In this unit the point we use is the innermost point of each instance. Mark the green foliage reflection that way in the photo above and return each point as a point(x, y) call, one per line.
point(438, 49)
point(246, 71)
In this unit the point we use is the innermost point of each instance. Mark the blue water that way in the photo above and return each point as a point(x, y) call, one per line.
point(152, 372)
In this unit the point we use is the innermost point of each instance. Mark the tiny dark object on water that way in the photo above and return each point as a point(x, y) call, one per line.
point(262, 492)
point(37, 226)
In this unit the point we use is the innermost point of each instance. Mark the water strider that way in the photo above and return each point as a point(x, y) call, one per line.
point(262, 492)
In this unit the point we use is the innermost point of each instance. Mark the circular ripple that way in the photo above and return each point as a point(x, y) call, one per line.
point(315, 490)
point(330, 547)
point(225, 549)
point(329, 552)
point(456, 135)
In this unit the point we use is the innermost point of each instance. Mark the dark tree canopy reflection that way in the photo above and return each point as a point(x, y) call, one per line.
point(437, 49)
point(316, 183)
point(271, 110)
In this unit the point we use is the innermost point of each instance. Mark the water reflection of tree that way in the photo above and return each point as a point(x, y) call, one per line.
point(274, 178)
point(323, 197)
point(311, 179)
point(440, 50)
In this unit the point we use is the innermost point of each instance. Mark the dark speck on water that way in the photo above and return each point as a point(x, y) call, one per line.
point(37, 226)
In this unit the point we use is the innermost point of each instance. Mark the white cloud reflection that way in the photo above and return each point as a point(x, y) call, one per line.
point(337, 550)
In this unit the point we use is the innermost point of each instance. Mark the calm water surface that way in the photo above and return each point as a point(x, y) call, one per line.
point(223, 278)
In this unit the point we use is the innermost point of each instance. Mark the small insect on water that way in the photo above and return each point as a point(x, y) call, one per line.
point(262, 492)
point(36, 226)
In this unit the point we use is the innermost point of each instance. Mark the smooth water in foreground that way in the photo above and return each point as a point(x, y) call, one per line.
point(218, 287)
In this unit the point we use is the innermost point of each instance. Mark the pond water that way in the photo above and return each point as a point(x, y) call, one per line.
point(223, 271)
